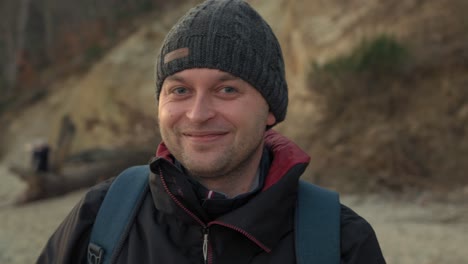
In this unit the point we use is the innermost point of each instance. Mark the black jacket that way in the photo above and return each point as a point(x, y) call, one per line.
point(172, 226)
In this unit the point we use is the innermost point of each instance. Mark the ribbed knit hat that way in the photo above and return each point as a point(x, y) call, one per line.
point(231, 36)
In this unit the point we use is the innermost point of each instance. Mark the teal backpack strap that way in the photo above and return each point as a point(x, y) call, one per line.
point(317, 225)
point(116, 214)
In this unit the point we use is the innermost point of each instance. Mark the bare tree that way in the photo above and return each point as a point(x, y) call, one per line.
point(15, 35)
point(48, 21)
point(8, 42)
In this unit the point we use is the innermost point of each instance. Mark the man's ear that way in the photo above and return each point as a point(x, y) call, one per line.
point(271, 119)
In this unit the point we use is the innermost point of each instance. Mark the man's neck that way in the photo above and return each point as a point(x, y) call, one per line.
point(232, 185)
point(242, 180)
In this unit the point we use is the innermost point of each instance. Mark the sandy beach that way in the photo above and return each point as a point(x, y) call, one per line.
point(410, 231)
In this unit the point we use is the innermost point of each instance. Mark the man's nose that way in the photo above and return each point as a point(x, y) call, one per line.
point(201, 109)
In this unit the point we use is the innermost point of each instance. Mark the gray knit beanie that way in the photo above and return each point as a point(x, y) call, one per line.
point(230, 36)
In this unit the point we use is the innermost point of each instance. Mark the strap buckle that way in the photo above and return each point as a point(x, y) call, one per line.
point(95, 254)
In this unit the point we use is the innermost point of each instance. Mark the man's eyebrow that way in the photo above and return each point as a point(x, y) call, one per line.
point(175, 77)
point(227, 77)
point(223, 77)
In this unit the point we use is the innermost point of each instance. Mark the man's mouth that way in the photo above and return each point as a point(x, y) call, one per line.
point(204, 135)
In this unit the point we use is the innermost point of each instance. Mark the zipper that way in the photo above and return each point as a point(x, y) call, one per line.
point(205, 245)
point(178, 202)
point(243, 232)
point(206, 249)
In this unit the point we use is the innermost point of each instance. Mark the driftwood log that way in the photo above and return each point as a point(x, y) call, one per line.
point(79, 171)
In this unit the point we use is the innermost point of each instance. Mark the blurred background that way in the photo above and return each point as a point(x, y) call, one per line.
point(378, 98)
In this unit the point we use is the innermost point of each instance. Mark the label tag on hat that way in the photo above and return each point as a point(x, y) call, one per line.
point(176, 54)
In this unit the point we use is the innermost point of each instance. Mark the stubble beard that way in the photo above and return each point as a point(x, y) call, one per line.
point(229, 166)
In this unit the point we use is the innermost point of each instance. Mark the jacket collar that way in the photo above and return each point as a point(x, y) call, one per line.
point(271, 209)
point(286, 154)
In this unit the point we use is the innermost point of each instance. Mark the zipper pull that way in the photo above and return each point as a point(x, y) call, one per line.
point(205, 245)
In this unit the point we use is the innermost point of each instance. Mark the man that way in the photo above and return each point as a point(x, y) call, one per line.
point(223, 185)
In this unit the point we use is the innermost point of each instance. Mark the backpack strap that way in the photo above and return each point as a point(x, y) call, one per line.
point(116, 214)
point(317, 225)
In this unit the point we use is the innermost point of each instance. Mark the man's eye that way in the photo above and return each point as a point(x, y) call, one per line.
point(179, 90)
point(229, 89)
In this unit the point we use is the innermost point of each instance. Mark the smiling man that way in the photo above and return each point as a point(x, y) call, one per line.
point(223, 186)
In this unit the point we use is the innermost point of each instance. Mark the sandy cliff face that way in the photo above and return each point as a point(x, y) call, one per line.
point(418, 138)
point(113, 102)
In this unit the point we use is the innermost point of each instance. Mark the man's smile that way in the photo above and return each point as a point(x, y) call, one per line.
point(204, 136)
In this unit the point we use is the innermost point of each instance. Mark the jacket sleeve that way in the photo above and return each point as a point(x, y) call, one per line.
point(69, 243)
point(359, 243)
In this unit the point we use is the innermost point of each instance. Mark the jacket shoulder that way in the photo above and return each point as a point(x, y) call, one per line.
point(359, 242)
point(68, 244)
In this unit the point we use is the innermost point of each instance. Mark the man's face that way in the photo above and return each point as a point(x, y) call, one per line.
point(212, 122)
